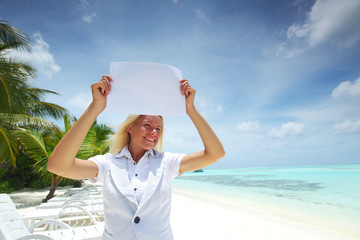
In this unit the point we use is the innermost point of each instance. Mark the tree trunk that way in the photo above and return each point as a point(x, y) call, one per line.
point(77, 184)
point(54, 184)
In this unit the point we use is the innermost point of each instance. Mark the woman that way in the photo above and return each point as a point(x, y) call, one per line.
point(136, 178)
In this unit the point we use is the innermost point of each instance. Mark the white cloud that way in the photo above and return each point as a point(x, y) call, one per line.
point(281, 50)
point(89, 17)
point(80, 101)
point(202, 103)
point(42, 58)
point(330, 21)
point(207, 108)
point(39, 57)
point(84, 3)
point(249, 127)
point(220, 109)
point(287, 129)
point(348, 126)
point(201, 15)
point(347, 90)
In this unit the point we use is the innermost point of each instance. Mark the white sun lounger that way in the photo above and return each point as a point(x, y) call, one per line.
point(13, 228)
point(82, 196)
point(79, 202)
point(88, 189)
point(69, 210)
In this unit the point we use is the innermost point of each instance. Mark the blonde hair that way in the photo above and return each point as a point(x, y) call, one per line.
point(122, 137)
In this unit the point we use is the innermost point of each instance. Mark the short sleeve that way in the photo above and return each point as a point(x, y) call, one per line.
point(102, 164)
point(172, 161)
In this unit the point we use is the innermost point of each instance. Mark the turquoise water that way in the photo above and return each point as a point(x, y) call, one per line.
point(325, 195)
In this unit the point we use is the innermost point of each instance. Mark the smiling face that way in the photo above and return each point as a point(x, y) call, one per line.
point(145, 134)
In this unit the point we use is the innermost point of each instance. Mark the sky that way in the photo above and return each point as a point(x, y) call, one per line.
point(279, 81)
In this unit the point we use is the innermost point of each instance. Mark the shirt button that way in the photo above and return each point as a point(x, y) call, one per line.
point(135, 189)
point(135, 174)
point(137, 220)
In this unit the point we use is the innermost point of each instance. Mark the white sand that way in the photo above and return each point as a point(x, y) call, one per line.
point(199, 216)
point(27, 199)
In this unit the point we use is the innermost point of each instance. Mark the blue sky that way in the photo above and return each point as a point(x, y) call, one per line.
point(279, 81)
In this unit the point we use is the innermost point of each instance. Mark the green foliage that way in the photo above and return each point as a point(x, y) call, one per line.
point(14, 178)
point(96, 142)
point(24, 176)
point(5, 188)
point(37, 184)
point(12, 37)
point(26, 138)
point(21, 105)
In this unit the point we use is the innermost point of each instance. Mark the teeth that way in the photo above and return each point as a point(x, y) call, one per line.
point(153, 140)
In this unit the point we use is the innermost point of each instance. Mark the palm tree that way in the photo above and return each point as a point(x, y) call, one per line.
point(96, 142)
point(21, 106)
point(39, 146)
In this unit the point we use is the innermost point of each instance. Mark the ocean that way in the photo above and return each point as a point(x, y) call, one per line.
point(327, 195)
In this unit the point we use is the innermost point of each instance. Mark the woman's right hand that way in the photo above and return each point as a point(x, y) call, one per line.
point(63, 161)
point(100, 90)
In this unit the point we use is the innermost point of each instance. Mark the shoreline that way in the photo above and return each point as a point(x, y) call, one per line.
point(257, 222)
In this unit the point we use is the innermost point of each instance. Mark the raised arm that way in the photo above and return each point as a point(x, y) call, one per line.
point(213, 149)
point(62, 160)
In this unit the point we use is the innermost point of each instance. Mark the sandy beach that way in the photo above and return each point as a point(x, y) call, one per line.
point(27, 199)
point(200, 216)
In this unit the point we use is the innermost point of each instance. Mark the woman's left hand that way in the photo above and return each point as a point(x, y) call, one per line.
point(189, 93)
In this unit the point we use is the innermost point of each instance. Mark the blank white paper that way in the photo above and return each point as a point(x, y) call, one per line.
point(145, 88)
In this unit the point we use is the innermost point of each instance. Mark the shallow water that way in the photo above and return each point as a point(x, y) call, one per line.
point(330, 194)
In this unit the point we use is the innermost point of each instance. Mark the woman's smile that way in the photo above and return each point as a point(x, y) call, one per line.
point(150, 139)
point(145, 133)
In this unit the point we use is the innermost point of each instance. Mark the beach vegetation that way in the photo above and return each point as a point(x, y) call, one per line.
point(40, 144)
point(27, 137)
point(21, 105)
point(22, 110)
point(96, 142)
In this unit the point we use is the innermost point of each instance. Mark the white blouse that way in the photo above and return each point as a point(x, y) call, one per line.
point(138, 173)
point(144, 213)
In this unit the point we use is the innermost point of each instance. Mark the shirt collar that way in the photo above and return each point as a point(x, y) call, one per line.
point(125, 153)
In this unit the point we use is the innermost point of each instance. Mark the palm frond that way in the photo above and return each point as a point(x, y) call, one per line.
point(8, 146)
point(67, 122)
point(45, 109)
point(40, 167)
point(36, 147)
point(13, 121)
point(33, 142)
point(13, 36)
point(16, 70)
point(41, 91)
point(87, 147)
point(31, 121)
point(14, 89)
point(52, 137)
point(103, 132)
